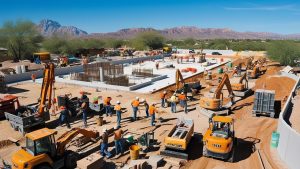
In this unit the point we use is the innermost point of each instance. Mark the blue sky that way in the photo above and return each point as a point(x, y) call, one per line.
point(279, 16)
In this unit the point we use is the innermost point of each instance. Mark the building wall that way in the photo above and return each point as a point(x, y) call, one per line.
point(39, 74)
point(289, 141)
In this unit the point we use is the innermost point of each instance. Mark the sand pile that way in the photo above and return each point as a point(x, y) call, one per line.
point(281, 85)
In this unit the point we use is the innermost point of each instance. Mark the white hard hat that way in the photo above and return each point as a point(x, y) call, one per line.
point(142, 100)
point(182, 92)
point(104, 130)
point(137, 98)
point(118, 102)
point(165, 92)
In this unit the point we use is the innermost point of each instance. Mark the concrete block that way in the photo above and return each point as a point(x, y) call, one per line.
point(92, 161)
point(155, 160)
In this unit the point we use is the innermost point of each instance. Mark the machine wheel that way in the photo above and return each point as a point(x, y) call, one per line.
point(70, 160)
point(231, 158)
point(204, 151)
point(43, 167)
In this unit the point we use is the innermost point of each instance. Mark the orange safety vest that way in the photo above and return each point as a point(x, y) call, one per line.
point(182, 97)
point(117, 107)
point(107, 101)
point(152, 110)
point(135, 103)
point(162, 95)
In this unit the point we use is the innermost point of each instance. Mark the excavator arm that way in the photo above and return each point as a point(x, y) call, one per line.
point(179, 79)
point(244, 77)
point(225, 81)
point(63, 140)
point(47, 86)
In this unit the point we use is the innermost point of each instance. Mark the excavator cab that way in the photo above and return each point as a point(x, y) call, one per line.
point(218, 141)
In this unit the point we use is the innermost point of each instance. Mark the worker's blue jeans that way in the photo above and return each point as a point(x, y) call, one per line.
point(135, 109)
point(108, 110)
point(173, 107)
point(104, 150)
point(184, 103)
point(147, 112)
point(153, 119)
point(84, 116)
point(163, 101)
point(118, 146)
point(118, 112)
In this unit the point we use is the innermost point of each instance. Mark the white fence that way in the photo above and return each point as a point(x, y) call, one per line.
point(289, 141)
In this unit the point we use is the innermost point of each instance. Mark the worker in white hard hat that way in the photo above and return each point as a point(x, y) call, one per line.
point(174, 101)
point(135, 107)
point(104, 144)
point(118, 112)
point(163, 98)
point(183, 101)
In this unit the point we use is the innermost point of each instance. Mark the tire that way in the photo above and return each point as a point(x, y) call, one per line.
point(71, 160)
point(204, 151)
point(231, 158)
point(43, 167)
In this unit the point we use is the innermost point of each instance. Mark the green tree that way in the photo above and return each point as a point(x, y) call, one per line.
point(284, 52)
point(150, 40)
point(20, 38)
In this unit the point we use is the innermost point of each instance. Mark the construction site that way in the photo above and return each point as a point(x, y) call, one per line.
point(237, 110)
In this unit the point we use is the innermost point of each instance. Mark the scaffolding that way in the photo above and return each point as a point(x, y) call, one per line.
point(142, 72)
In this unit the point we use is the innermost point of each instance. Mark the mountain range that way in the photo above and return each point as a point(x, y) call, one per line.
point(49, 28)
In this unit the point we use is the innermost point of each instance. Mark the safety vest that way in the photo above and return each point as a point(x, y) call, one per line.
point(117, 107)
point(135, 103)
point(182, 97)
point(163, 96)
point(152, 110)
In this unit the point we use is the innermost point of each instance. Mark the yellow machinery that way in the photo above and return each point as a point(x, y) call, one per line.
point(216, 102)
point(177, 141)
point(43, 152)
point(41, 56)
point(240, 86)
point(190, 88)
point(30, 116)
point(219, 140)
point(167, 49)
point(254, 73)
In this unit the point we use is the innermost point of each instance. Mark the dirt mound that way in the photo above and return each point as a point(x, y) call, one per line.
point(281, 85)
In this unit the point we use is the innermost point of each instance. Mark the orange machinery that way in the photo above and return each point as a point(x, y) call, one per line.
point(209, 105)
point(30, 116)
point(219, 139)
point(43, 152)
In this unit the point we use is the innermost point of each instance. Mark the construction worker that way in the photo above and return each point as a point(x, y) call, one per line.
point(174, 100)
point(135, 107)
point(118, 142)
point(118, 112)
point(64, 116)
point(183, 101)
point(104, 144)
point(84, 107)
point(163, 98)
point(152, 111)
point(107, 106)
point(146, 108)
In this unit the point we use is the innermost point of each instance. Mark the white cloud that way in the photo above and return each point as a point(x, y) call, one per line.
point(263, 8)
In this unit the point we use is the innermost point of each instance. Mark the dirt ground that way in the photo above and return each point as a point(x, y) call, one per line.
point(253, 133)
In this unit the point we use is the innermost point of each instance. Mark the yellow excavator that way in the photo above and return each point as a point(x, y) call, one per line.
point(254, 73)
point(240, 86)
point(190, 88)
point(43, 152)
point(219, 139)
point(33, 115)
point(215, 104)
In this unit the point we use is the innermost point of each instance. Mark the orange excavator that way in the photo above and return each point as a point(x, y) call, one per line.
point(43, 152)
point(240, 86)
point(254, 73)
point(29, 116)
point(189, 88)
point(209, 105)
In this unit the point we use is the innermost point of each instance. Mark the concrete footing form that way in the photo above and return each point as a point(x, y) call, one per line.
point(289, 147)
